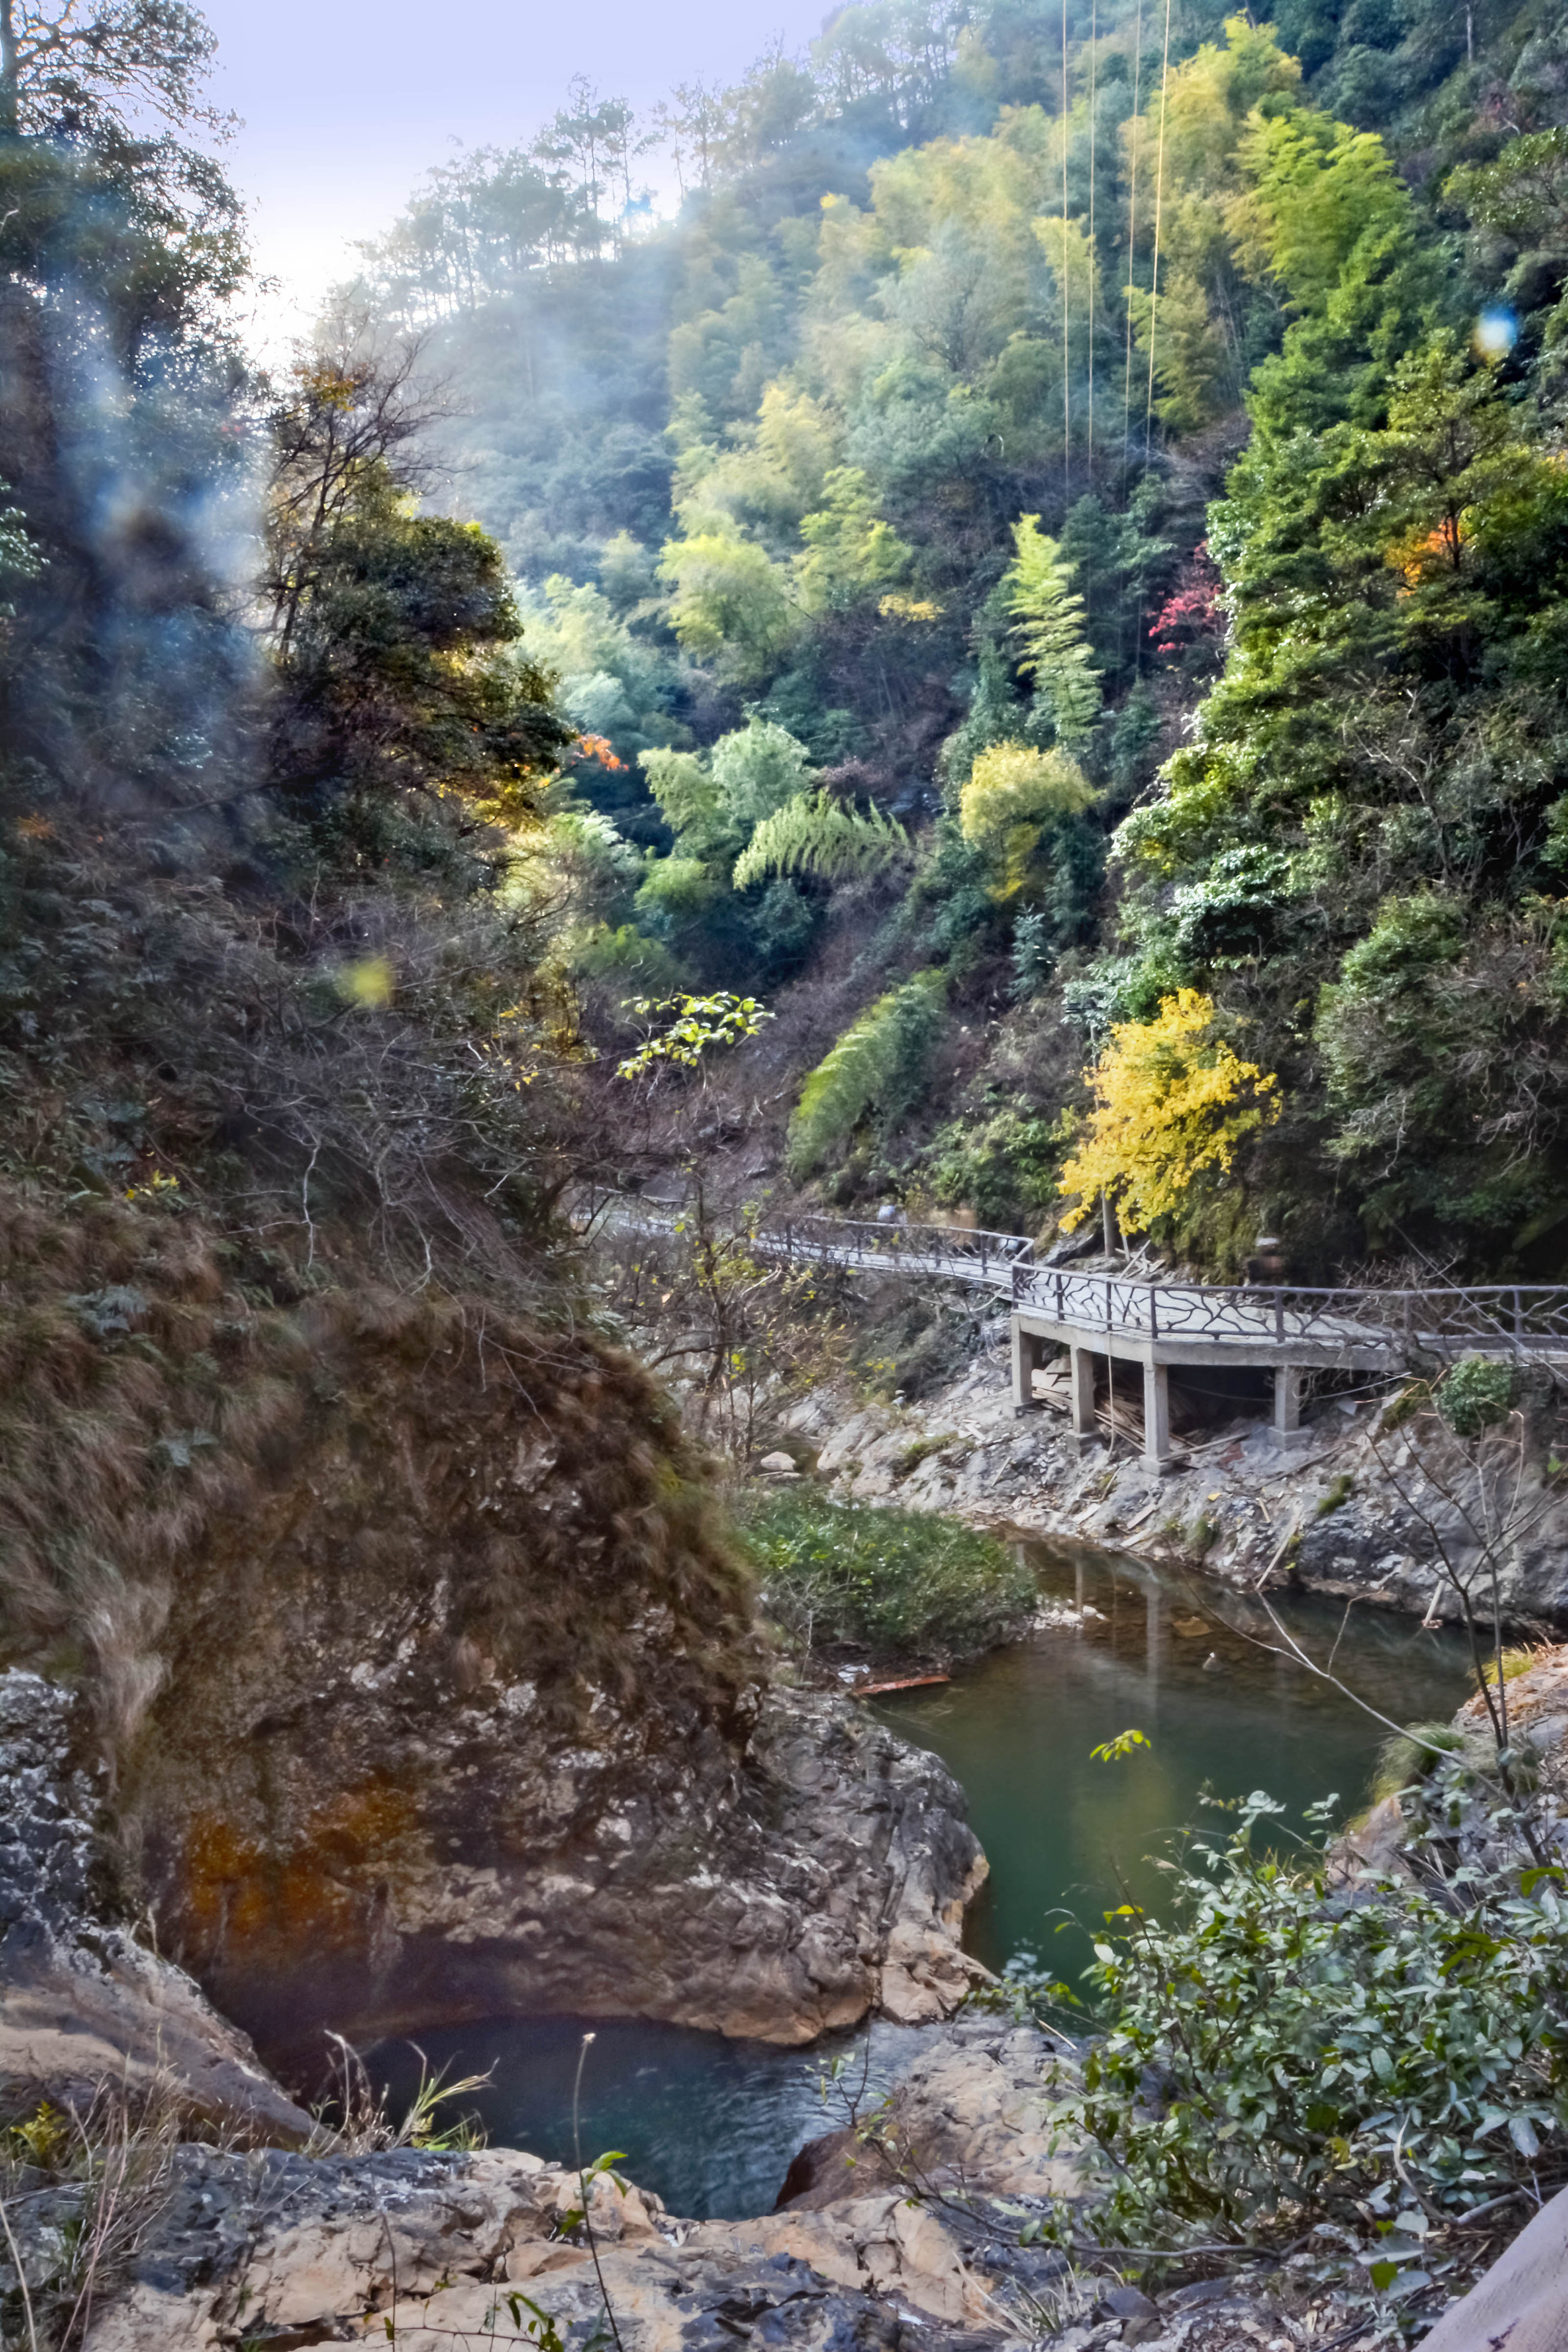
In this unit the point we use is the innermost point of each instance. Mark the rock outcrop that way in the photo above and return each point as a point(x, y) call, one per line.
point(449, 1859)
point(81, 2000)
point(297, 2253)
point(447, 2251)
point(429, 1679)
point(973, 2111)
point(284, 2249)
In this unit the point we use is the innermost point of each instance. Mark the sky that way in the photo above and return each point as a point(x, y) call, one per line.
point(346, 103)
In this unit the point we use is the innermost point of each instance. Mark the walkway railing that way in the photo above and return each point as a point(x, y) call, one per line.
point(1525, 1318)
point(948, 1253)
point(1497, 1316)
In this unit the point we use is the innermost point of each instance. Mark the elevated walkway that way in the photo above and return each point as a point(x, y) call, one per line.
point(1158, 1326)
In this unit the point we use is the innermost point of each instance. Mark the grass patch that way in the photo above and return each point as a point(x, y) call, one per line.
point(1515, 1663)
point(906, 1587)
point(1408, 1756)
point(1339, 1494)
point(921, 1451)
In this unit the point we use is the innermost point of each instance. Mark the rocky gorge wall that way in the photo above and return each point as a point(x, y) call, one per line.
point(423, 1677)
point(912, 2228)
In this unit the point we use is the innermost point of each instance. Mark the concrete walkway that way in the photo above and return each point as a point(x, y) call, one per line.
point(1105, 1319)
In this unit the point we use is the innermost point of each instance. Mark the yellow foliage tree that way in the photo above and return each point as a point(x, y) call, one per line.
point(1012, 794)
point(1171, 1098)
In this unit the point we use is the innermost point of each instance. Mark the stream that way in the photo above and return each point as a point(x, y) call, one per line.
point(711, 2124)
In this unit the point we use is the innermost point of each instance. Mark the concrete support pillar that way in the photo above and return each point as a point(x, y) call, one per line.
point(1288, 1429)
point(1081, 1385)
point(1156, 1416)
point(1027, 1353)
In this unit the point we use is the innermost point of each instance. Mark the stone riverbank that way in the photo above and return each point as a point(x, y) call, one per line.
point(1326, 1512)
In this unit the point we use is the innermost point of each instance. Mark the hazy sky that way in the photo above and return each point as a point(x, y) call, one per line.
point(347, 102)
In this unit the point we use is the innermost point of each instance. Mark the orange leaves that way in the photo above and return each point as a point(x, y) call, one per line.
point(597, 746)
point(1425, 555)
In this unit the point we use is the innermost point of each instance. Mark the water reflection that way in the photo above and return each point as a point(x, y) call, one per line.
point(1197, 1668)
point(711, 2125)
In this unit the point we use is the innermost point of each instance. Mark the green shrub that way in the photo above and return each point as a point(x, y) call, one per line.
point(904, 1585)
point(877, 1065)
point(1005, 1169)
point(1475, 1395)
point(920, 1451)
point(1380, 2063)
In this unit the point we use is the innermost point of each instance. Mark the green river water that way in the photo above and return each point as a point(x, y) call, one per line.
point(711, 2125)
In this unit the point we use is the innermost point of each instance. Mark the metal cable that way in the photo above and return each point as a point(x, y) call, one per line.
point(1131, 237)
point(1093, 22)
point(1066, 290)
point(1154, 283)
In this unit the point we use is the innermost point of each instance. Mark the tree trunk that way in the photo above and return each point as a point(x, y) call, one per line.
point(10, 74)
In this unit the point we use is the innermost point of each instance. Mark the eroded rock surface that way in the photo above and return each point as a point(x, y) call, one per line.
point(289, 2251)
point(80, 1998)
point(774, 1890)
point(466, 1712)
point(973, 2111)
point(465, 2250)
point(281, 2250)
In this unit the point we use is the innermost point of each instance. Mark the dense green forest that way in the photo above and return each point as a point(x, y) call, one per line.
point(1020, 544)
point(1045, 567)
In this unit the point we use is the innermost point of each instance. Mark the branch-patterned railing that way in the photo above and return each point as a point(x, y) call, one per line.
point(950, 1253)
point(1515, 1317)
point(1528, 1317)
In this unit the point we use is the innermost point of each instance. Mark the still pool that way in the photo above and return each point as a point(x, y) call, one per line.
point(711, 2125)
point(1201, 1672)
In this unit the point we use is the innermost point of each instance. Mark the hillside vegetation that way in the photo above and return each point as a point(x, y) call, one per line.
point(1039, 537)
point(288, 1063)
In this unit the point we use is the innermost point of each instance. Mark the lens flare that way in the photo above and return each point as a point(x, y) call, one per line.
point(1497, 332)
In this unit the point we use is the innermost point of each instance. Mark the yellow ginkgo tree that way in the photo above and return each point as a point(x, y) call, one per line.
point(1171, 1099)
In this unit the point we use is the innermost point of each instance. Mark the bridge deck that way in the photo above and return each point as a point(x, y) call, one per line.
point(1160, 1325)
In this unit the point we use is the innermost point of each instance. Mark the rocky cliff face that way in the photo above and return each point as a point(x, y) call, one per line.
point(822, 1873)
point(469, 1718)
point(435, 1855)
point(81, 2000)
point(428, 1681)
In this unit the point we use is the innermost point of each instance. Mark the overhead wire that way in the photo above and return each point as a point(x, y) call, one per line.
point(1154, 281)
point(1131, 236)
point(1093, 28)
point(1066, 290)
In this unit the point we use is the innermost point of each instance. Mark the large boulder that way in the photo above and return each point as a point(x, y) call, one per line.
point(425, 1671)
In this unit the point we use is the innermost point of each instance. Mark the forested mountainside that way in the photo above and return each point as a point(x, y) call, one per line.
point(1056, 568)
point(288, 1076)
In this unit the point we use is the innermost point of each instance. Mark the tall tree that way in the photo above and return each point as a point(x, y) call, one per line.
point(90, 70)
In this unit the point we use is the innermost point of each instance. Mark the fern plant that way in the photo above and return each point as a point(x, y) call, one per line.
point(877, 1065)
point(1048, 632)
point(814, 833)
